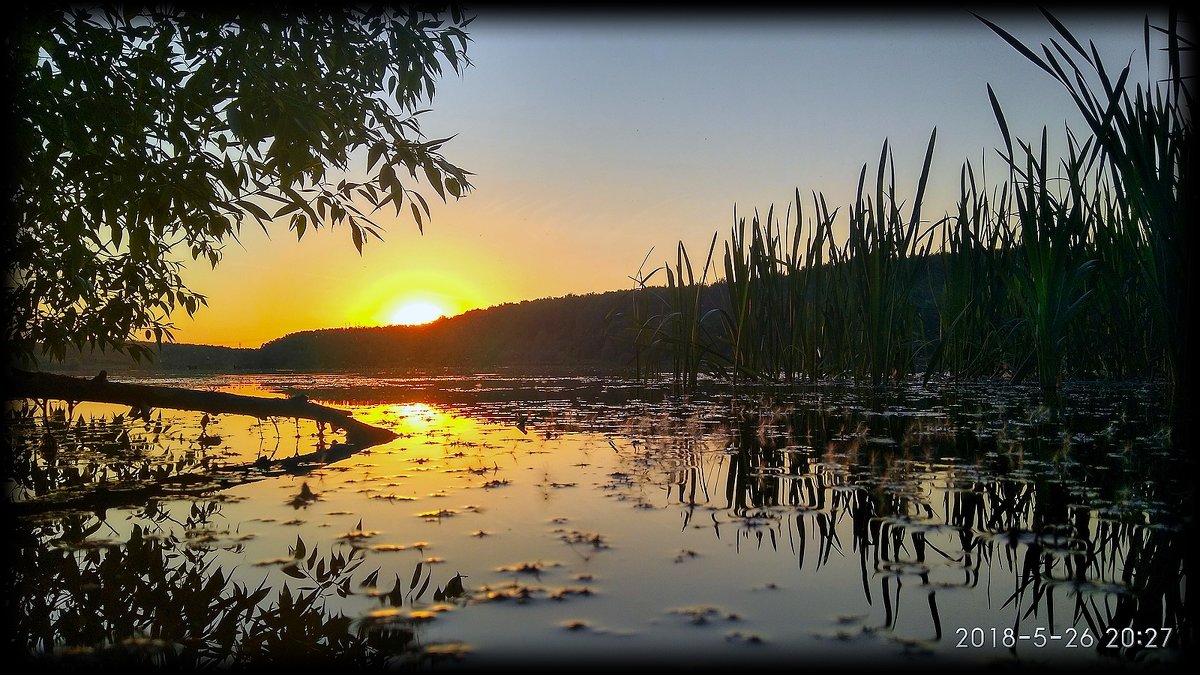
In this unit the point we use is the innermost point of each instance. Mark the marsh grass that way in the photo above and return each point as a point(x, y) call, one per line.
point(683, 328)
point(988, 514)
point(769, 293)
point(1145, 139)
point(1071, 267)
point(973, 329)
point(885, 328)
point(796, 305)
point(1049, 284)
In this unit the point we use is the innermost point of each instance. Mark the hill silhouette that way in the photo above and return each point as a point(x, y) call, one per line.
point(588, 332)
point(584, 331)
point(592, 332)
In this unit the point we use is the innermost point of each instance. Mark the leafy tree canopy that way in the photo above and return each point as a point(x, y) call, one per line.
point(140, 138)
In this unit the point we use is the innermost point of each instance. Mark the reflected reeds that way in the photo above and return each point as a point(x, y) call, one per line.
point(1105, 558)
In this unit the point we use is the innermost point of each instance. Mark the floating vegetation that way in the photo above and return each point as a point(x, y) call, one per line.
point(703, 614)
point(385, 614)
point(686, 555)
point(304, 498)
point(744, 638)
point(358, 534)
point(592, 539)
point(387, 547)
point(390, 497)
point(535, 567)
point(447, 650)
point(523, 593)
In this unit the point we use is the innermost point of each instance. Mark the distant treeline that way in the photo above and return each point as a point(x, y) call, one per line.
point(592, 332)
point(583, 331)
point(580, 330)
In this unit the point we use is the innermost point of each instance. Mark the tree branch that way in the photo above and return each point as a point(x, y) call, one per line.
point(38, 385)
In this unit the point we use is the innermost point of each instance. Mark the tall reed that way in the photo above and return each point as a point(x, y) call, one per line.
point(1068, 268)
point(813, 296)
point(778, 320)
point(1128, 342)
point(974, 330)
point(681, 327)
point(643, 342)
point(881, 243)
point(1146, 139)
point(1049, 285)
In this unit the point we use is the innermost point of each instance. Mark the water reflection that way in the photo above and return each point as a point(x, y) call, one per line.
point(1087, 532)
point(837, 523)
point(159, 600)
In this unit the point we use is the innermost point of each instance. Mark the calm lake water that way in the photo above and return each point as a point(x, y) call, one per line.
point(592, 521)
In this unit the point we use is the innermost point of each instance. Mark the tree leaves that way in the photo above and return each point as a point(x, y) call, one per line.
point(141, 135)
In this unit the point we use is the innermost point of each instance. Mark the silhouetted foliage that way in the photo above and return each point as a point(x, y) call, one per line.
point(154, 602)
point(595, 331)
point(140, 137)
point(1078, 271)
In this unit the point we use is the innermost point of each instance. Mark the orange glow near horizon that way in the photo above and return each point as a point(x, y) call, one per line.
point(416, 312)
point(410, 302)
point(266, 288)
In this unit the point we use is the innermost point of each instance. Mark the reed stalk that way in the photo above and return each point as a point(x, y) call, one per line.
point(1146, 139)
point(974, 332)
point(682, 327)
point(1075, 272)
point(881, 244)
point(1050, 284)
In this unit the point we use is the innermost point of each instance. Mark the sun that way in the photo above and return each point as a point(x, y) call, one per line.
point(407, 302)
point(416, 312)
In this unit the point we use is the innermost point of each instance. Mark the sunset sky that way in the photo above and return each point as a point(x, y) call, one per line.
point(596, 139)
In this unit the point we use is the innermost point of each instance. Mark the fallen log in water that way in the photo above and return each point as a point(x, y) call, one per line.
point(37, 385)
point(101, 497)
point(41, 386)
point(129, 494)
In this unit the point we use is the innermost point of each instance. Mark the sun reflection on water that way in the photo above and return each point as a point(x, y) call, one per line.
point(415, 418)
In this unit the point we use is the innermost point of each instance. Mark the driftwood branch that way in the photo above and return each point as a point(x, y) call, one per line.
point(43, 386)
point(36, 385)
point(101, 497)
point(123, 495)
